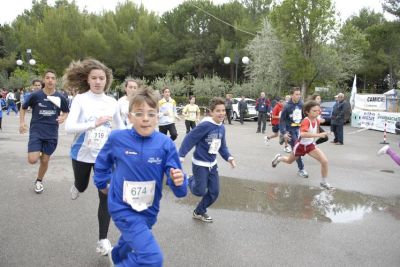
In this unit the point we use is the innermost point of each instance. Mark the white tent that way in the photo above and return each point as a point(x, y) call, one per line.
point(392, 92)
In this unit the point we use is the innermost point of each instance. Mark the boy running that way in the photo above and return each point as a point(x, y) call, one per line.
point(49, 109)
point(275, 116)
point(135, 161)
point(209, 139)
point(306, 143)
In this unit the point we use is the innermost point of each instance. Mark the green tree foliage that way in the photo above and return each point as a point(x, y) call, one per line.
point(304, 26)
point(267, 66)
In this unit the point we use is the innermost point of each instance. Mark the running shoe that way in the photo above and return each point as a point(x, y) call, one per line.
point(103, 247)
point(326, 186)
point(275, 161)
point(287, 149)
point(202, 217)
point(302, 174)
point(74, 192)
point(266, 140)
point(383, 150)
point(39, 187)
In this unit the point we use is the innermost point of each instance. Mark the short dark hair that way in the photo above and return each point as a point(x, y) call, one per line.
point(216, 101)
point(294, 89)
point(35, 81)
point(51, 71)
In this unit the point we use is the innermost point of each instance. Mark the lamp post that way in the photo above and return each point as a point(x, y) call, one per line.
point(245, 60)
point(29, 58)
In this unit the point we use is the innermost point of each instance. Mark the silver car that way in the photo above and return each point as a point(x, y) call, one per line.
point(251, 109)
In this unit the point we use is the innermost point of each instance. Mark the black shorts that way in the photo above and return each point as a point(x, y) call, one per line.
point(46, 146)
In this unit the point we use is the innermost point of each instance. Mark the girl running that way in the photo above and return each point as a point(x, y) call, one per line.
point(306, 144)
point(90, 119)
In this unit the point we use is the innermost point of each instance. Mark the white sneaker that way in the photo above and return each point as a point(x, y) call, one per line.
point(39, 187)
point(302, 173)
point(266, 140)
point(74, 192)
point(383, 150)
point(287, 149)
point(325, 185)
point(103, 247)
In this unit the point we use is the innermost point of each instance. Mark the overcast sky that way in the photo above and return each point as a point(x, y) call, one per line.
point(9, 11)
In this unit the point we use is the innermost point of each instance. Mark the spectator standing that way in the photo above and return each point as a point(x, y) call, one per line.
point(263, 107)
point(337, 119)
point(242, 107)
point(228, 108)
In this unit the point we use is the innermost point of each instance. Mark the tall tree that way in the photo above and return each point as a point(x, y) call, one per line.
point(266, 68)
point(303, 25)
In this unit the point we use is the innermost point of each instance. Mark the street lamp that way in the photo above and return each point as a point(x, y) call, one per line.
point(29, 58)
point(245, 60)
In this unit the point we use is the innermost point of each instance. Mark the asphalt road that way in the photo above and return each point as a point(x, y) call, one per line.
point(263, 217)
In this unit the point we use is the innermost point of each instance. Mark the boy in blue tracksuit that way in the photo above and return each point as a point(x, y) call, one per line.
point(134, 162)
point(289, 124)
point(209, 139)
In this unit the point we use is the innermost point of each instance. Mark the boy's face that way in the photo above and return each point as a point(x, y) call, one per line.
point(144, 118)
point(50, 80)
point(218, 113)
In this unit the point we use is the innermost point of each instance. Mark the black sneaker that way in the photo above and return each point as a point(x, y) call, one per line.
point(202, 217)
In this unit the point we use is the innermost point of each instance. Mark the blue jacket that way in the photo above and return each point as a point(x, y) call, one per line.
point(291, 116)
point(338, 111)
point(201, 137)
point(132, 157)
point(263, 105)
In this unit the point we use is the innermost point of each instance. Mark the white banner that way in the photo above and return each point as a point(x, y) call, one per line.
point(370, 102)
point(375, 120)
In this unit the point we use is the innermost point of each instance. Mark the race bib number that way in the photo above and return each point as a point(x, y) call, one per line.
point(139, 195)
point(297, 116)
point(215, 145)
point(98, 137)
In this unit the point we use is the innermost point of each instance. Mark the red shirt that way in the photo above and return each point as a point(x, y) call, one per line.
point(275, 112)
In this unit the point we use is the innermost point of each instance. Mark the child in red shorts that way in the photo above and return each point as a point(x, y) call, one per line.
point(306, 144)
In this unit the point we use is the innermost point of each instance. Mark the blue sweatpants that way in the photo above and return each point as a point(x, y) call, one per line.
point(137, 245)
point(295, 135)
point(204, 183)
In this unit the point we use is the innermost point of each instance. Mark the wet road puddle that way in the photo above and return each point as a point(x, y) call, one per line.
point(298, 201)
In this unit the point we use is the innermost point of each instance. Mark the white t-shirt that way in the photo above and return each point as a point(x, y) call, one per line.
point(85, 110)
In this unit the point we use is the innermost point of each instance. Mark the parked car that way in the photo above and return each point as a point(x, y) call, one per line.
point(327, 108)
point(251, 109)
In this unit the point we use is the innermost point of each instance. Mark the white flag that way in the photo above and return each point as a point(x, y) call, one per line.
point(353, 92)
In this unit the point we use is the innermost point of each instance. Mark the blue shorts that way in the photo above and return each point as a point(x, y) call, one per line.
point(275, 128)
point(46, 146)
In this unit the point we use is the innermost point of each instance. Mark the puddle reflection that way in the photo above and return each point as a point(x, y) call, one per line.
point(298, 201)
